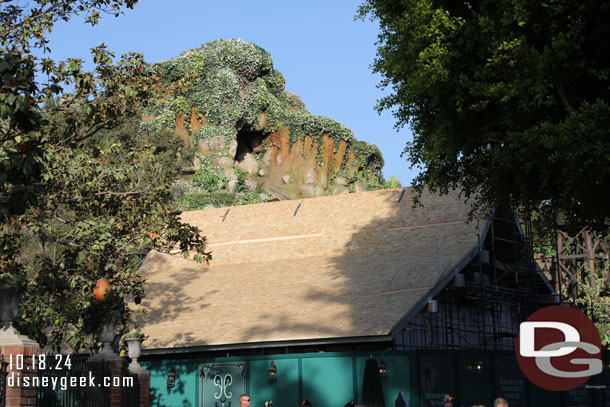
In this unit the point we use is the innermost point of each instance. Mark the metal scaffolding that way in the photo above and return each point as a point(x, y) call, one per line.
point(484, 305)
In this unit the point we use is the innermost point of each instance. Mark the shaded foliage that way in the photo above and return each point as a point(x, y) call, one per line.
point(507, 100)
point(80, 197)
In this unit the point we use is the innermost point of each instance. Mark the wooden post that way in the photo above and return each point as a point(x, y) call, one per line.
point(559, 251)
point(591, 262)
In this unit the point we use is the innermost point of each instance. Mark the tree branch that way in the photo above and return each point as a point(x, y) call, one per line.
point(564, 100)
point(122, 193)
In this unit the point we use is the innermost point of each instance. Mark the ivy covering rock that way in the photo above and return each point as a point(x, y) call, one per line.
point(234, 111)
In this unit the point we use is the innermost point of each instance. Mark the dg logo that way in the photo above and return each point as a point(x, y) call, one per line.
point(559, 348)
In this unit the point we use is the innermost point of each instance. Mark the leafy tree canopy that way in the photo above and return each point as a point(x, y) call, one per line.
point(507, 100)
point(81, 197)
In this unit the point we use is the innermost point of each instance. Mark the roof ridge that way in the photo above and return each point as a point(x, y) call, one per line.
point(317, 198)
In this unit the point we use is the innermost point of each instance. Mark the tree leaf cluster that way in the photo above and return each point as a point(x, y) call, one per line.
point(82, 195)
point(508, 101)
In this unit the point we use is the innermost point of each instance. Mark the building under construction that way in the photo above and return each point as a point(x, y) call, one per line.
point(301, 295)
point(486, 300)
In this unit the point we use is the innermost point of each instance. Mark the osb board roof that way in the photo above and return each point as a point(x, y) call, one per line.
point(328, 267)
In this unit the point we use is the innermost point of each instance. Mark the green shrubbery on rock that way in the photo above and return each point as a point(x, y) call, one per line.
point(199, 200)
point(210, 179)
point(239, 97)
point(231, 82)
point(209, 186)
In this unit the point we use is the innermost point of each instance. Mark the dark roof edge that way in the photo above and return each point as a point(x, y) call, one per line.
point(267, 344)
point(423, 301)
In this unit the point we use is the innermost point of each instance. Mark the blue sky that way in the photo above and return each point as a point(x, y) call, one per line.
point(322, 52)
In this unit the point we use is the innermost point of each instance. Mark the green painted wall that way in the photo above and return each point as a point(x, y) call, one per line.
point(186, 392)
point(333, 379)
point(285, 392)
point(328, 381)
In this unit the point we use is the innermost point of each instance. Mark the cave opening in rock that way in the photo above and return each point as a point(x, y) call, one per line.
point(249, 141)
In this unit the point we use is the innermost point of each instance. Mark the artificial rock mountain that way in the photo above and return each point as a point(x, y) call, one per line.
point(234, 113)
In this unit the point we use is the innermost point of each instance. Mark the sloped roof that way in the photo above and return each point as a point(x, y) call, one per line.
point(329, 267)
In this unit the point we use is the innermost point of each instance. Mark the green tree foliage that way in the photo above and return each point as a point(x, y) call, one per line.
point(507, 100)
point(209, 179)
point(593, 299)
point(393, 182)
point(80, 197)
point(590, 290)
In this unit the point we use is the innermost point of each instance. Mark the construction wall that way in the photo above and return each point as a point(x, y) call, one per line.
point(327, 379)
point(331, 379)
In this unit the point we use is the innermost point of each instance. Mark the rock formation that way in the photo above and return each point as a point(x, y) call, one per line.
point(234, 113)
